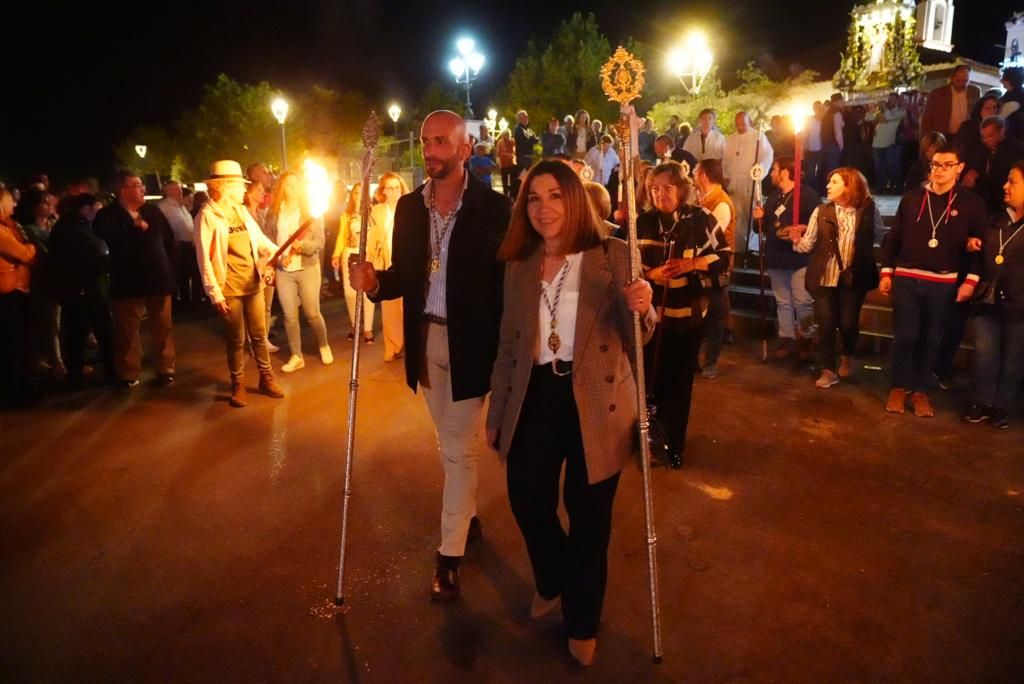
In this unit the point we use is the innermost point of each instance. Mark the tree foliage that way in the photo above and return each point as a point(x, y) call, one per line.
point(234, 121)
point(562, 75)
point(756, 94)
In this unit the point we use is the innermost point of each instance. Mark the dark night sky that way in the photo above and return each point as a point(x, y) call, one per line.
point(84, 75)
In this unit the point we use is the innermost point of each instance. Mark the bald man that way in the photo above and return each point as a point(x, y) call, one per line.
point(444, 264)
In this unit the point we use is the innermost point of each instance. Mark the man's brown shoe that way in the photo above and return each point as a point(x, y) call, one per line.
point(445, 587)
point(238, 394)
point(269, 386)
point(922, 405)
point(785, 348)
point(845, 366)
point(897, 400)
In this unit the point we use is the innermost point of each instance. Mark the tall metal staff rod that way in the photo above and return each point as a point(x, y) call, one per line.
point(371, 134)
point(623, 79)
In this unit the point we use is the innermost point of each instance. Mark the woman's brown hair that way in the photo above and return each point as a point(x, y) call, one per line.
point(581, 226)
point(856, 194)
point(278, 198)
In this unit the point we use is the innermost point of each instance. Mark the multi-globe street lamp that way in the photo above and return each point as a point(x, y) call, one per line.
point(691, 62)
point(279, 107)
point(466, 66)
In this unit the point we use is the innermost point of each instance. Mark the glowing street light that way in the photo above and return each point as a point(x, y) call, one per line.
point(466, 66)
point(691, 62)
point(141, 151)
point(503, 125)
point(279, 107)
point(394, 111)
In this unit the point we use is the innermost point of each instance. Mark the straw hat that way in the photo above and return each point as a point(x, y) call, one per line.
point(226, 169)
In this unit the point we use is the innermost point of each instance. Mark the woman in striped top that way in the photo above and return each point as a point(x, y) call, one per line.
point(840, 237)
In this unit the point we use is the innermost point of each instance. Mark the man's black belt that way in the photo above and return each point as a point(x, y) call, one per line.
point(435, 319)
point(559, 367)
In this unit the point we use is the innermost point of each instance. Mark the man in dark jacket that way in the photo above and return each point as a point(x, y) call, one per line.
point(445, 266)
point(1001, 153)
point(143, 252)
point(786, 268)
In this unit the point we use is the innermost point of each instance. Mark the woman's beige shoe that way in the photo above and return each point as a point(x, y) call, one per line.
point(542, 606)
point(583, 650)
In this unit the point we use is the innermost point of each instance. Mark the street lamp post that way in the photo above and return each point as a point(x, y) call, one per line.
point(280, 109)
point(691, 62)
point(465, 67)
point(394, 111)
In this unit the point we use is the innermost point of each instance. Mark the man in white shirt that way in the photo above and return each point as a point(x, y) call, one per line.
point(190, 287)
point(707, 142)
point(743, 149)
point(602, 160)
point(884, 147)
point(812, 147)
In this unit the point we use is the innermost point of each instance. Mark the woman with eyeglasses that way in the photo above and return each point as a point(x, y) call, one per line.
point(562, 390)
point(390, 187)
point(840, 237)
point(999, 311)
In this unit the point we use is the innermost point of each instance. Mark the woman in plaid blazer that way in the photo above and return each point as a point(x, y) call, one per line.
point(562, 390)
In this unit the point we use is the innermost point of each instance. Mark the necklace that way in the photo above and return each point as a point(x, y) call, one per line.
point(439, 233)
point(1002, 245)
point(781, 209)
point(934, 242)
point(554, 341)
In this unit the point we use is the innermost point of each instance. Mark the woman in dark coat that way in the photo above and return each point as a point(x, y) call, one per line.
point(840, 237)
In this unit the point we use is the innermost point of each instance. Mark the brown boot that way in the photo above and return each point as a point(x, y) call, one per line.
point(238, 394)
point(922, 405)
point(897, 400)
point(845, 366)
point(805, 348)
point(269, 386)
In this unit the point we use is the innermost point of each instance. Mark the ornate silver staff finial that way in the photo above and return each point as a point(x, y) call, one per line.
point(371, 130)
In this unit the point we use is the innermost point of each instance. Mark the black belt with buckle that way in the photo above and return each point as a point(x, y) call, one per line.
point(559, 367)
point(435, 319)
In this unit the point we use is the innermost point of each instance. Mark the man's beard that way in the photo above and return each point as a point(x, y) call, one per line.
point(448, 167)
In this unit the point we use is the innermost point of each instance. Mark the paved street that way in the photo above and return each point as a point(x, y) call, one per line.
point(810, 537)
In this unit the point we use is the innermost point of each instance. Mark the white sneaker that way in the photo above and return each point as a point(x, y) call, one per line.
point(272, 348)
point(294, 364)
point(326, 356)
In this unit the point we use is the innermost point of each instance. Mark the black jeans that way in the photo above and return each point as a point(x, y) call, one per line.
point(574, 565)
point(15, 335)
point(79, 314)
point(837, 307)
point(715, 324)
point(919, 310)
point(952, 336)
point(671, 385)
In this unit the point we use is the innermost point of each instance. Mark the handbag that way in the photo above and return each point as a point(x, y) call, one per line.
point(984, 297)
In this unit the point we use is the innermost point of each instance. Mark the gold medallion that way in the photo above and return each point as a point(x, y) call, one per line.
point(999, 259)
point(554, 342)
point(435, 265)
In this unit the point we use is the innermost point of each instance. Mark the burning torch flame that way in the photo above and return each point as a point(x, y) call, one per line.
point(798, 115)
point(318, 188)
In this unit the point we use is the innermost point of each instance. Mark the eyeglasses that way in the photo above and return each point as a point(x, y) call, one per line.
point(943, 166)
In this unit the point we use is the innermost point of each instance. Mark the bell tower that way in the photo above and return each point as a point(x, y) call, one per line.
point(935, 24)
